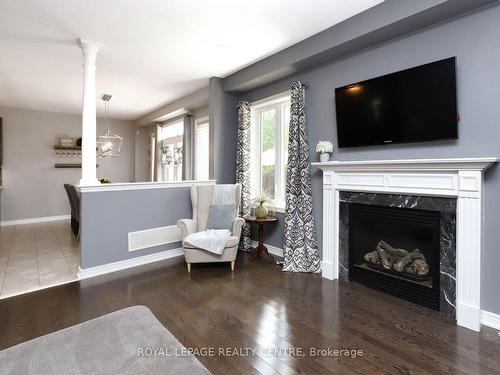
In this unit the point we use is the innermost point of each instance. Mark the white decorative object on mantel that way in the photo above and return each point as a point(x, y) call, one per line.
point(325, 148)
point(324, 157)
point(461, 178)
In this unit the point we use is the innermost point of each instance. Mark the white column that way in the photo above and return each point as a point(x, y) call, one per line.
point(469, 222)
point(330, 263)
point(89, 155)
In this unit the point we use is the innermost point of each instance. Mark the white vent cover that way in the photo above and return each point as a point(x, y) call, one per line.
point(144, 239)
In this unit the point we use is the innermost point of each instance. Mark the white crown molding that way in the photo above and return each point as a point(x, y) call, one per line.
point(34, 220)
point(141, 186)
point(128, 263)
point(459, 178)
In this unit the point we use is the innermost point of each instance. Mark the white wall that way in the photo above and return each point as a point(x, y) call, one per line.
point(200, 112)
point(32, 187)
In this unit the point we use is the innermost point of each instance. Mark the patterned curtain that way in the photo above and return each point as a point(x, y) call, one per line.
point(300, 243)
point(243, 168)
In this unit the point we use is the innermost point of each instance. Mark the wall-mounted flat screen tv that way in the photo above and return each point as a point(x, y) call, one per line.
point(413, 105)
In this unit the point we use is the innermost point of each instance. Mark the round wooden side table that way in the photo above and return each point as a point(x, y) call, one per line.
point(261, 221)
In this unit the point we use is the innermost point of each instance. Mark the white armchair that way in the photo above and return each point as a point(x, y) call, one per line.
point(201, 198)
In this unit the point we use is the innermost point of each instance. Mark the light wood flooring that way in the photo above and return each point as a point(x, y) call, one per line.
point(35, 256)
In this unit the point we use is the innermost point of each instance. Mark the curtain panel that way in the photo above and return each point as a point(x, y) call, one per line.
point(243, 168)
point(300, 245)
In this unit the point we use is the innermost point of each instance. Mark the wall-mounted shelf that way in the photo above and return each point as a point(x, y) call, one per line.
point(70, 165)
point(57, 147)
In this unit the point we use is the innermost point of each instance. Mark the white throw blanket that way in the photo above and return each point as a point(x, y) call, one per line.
point(213, 240)
point(224, 194)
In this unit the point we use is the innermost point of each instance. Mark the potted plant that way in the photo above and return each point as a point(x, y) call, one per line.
point(325, 148)
point(262, 202)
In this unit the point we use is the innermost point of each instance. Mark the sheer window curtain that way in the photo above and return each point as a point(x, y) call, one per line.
point(243, 168)
point(300, 245)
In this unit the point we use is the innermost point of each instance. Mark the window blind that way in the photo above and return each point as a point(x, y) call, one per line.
point(202, 156)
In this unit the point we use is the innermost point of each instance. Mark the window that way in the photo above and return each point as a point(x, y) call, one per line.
point(201, 139)
point(170, 138)
point(269, 148)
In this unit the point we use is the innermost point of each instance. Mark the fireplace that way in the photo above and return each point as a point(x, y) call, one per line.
point(396, 250)
point(452, 186)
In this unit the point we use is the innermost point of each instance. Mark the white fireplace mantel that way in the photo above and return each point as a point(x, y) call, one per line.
point(461, 178)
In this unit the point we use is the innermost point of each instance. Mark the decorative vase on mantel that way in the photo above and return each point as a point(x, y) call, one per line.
point(324, 157)
point(324, 148)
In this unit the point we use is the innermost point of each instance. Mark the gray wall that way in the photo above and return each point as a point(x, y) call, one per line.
point(474, 39)
point(32, 187)
point(108, 217)
point(200, 112)
point(223, 132)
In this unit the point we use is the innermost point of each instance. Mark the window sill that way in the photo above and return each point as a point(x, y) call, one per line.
point(280, 210)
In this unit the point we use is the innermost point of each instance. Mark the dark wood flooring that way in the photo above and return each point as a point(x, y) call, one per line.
point(260, 307)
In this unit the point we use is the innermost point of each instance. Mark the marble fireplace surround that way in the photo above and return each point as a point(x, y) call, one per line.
point(460, 178)
point(447, 236)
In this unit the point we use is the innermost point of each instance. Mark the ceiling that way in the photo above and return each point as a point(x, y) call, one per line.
point(154, 51)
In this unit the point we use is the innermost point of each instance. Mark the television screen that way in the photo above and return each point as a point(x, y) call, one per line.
point(413, 105)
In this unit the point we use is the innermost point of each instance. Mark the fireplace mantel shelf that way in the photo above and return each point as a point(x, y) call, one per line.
point(452, 164)
point(460, 178)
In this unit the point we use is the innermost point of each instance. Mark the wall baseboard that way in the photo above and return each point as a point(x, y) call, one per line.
point(272, 249)
point(33, 220)
point(128, 263)
point(490, 319)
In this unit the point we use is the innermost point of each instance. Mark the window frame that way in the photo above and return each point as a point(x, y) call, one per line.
point(278, 103)
point(173, 141)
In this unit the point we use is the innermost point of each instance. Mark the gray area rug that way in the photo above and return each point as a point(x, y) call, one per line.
point(118, 343)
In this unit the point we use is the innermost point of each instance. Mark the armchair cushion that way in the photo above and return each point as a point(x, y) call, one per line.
point(221, 216)
point(232, 241)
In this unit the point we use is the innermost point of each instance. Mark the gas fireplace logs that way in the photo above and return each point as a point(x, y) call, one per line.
point(398, 260)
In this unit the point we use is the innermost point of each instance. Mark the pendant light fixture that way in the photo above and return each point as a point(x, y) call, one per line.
point(109, 144)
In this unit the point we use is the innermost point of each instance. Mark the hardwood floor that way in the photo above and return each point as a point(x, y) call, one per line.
point(260, 307)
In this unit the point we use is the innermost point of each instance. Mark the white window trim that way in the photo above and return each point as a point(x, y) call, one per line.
point(255, 173)
point(271, 100)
